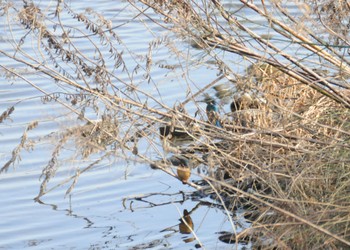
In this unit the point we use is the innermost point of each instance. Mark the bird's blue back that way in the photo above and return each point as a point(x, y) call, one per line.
point(213, 107)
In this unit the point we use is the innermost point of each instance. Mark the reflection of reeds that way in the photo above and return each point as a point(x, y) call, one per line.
point(6, 114)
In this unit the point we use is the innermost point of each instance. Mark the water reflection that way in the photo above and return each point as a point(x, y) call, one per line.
point(186, 223)
point(231, 238)
point(148, 245)
point(186, 226)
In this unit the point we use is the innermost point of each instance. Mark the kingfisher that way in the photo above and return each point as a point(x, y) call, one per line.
point(183, 169)
point(213, 112)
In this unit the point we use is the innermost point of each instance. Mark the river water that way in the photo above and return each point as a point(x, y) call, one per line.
point(118, 204)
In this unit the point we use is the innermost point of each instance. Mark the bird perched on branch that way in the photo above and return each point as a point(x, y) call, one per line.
point(213, 112)
point(183, 170)
point(182, 164)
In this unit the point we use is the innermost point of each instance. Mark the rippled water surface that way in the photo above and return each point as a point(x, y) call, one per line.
point(102, 211)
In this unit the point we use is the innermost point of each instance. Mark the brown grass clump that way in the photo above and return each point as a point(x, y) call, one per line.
point(300, 165)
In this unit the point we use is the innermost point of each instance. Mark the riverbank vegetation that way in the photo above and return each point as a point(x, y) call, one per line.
point(282, 152)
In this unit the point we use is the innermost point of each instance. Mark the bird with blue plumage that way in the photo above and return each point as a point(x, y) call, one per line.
point(212, 111)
